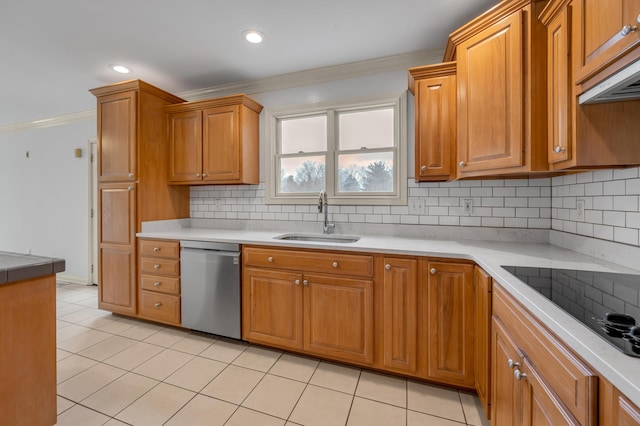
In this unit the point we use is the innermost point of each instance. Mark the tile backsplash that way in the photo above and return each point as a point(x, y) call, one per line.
point(607, 199)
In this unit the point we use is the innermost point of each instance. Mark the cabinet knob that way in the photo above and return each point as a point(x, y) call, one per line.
point(462, 164)
point(204, 175)
point(387, 266)
point(519, 375)
point(334, 264)
point(156, 249)
point(270, 259)
point(305, 282)
point(197, 174)
point(130, 188)
point(628, 29)
point(297, 282)
point(512, 364)
point(156, 284)
point(433, 271)
point(130, 175)
point(558, 149)
point(423, 168)
point(158, 304)
point(156, 267)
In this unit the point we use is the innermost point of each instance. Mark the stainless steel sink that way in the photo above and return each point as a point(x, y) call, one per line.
point(320, 238)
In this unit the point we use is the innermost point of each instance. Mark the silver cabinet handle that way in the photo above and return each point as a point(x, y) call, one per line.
point(156, 249)
point(462, 164)
point(270, 259)
point(156, 284)
point(559, 149)
point(297, 282)
point(197, 174)
point(628, 29)
point(156, 267)
point(387, 266)
point(204, 175)
point(433, 271)
point(423, 168)
point(512, 364)
point(130, 175)
point(158, 304)
point(519, 375)
point(334, 264)
point(130, 188)
point(305, 282)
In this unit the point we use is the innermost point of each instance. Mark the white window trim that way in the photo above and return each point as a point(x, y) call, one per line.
point(400, 167)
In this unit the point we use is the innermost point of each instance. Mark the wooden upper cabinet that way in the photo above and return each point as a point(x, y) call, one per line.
point(501, 86)
point(450, 302)
point(214, 141)
point(607, 32)
point(434, 89)
point(221, 146)
point(117, 118)
point(185, 136)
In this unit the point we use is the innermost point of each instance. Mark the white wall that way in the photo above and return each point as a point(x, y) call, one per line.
point(45, 197)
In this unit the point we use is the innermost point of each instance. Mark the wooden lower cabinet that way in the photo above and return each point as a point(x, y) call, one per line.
point(614, 408)
point(482, 286)
point(328, 314)
point(450, 306)
point(535, 379)
point(399, 306)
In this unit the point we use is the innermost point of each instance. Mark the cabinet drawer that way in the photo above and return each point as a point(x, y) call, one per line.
point(569, 377)
point(303, 261)
point(168, 285)
point(161, 307)
point(160, 248)
point(160, 266)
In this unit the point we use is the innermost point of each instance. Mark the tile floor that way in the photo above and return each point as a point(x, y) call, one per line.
point(114, 370)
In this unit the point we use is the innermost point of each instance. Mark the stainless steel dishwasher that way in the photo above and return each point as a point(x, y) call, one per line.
point(210, 287)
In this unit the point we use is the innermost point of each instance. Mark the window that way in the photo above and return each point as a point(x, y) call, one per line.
point(354, 152)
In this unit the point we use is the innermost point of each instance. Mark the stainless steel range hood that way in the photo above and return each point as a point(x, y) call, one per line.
point(623, 85)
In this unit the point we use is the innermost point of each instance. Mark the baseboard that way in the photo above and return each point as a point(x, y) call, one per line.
point(72, 279)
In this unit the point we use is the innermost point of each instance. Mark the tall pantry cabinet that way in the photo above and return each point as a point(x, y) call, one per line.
point(132, 183)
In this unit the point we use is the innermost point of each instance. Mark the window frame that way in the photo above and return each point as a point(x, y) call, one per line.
point(332, 110)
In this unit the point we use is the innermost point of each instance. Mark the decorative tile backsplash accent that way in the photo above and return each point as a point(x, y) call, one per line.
point(603, 204)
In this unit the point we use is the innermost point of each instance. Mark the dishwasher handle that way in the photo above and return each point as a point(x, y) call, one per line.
point(210, 245)
point(187, 250)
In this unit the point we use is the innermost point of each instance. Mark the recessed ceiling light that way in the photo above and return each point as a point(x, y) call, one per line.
point(120, 68)
point(253, 36)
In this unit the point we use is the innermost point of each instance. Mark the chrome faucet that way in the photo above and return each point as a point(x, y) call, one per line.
point(323, 206)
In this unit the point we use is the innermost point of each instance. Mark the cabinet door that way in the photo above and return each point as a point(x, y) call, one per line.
point(627, 413)
point(185, 145)
point(540, 405)
point(116, 257)
point(338, 317)
point(399, 307)
point(451, 323)
point(599, 25)
point(221, 144)
point(483, 283)
point(490, 98)
point(559, 87)
point(272, 307)
point(117, 123)
point(505, 390)
point(435, 128)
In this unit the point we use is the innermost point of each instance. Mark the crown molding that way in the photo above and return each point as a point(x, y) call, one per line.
point(269, 84)
point(319, 75)
point(49, 122)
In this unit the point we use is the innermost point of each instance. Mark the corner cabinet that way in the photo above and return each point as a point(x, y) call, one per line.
point(214, 141)
point(132, 184)
point(434, 90)
point(501, 81)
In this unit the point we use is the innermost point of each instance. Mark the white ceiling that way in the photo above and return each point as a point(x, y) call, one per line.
point(54, 51)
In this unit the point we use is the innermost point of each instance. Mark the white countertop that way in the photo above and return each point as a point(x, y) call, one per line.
point(621, 370)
